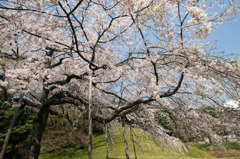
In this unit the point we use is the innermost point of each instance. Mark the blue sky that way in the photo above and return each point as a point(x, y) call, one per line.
point(228, 36)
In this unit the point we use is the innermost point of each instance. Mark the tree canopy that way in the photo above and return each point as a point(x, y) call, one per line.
point(138, 52)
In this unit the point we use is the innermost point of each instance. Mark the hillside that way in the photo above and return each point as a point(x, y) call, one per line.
point(145, 148)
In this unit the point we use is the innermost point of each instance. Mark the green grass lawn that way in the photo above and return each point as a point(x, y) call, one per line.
point(145, 149)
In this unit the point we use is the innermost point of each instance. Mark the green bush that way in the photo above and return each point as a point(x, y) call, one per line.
point(233, 145)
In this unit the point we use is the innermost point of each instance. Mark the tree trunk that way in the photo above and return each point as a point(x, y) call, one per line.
point(125, 137)
point(32, 145)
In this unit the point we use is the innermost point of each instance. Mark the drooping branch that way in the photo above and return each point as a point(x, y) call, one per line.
point(113, 94)
point(45, 38)
point(27, 10)
point(27, 102)
point(111, 81)
point(168, 94)
point(130, 107)
point(122, 110)
point(68, 79)
point(66, 98)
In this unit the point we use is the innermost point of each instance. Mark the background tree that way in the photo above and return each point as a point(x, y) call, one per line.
point(20, 132)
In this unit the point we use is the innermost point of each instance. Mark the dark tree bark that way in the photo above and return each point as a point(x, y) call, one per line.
point(32, 145)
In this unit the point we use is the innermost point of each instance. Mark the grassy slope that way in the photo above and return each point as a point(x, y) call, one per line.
point(146, 149)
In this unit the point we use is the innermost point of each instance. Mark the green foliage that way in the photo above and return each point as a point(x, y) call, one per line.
point(164, 122)
point(20, 130)
point(233, 145)
point(210, 110)
point(3, 61)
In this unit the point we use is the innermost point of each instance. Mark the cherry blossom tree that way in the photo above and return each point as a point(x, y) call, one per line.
point(137, 52)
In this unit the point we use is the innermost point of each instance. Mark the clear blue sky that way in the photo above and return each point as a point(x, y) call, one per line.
point(228, 36)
